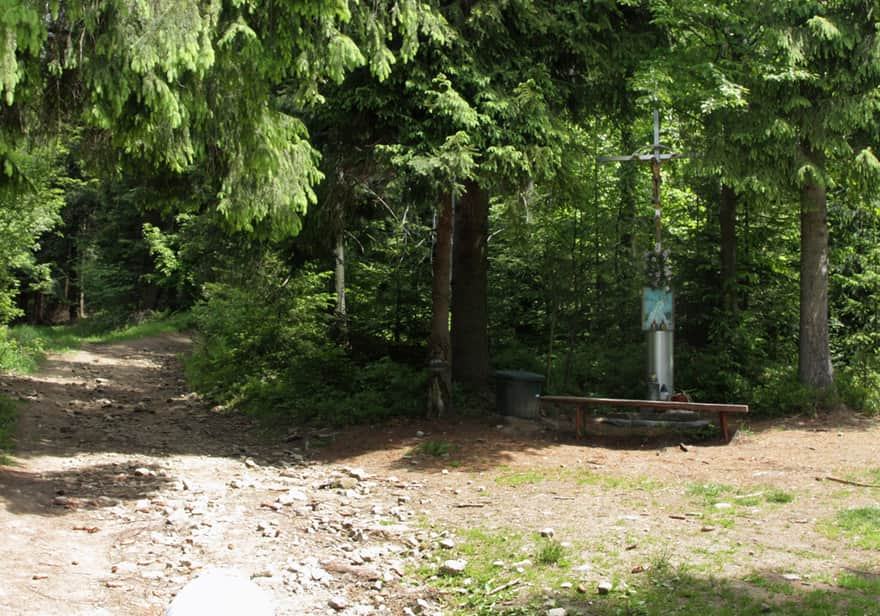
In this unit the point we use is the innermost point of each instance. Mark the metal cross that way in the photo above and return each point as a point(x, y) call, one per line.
point(656, 157)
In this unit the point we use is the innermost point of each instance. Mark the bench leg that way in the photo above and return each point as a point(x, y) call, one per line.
point(722, 416)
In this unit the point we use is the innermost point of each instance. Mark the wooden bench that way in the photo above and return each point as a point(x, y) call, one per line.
point(583, 404)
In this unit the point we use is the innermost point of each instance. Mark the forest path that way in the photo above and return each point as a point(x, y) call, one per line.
point(125, 485)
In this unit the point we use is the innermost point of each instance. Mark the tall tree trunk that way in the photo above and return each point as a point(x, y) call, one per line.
point(470, 313)
point(627, 211)
point(814, 360)
point(339, 279)
point(439, 373)
point(727, 219)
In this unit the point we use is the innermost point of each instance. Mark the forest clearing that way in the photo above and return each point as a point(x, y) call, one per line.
point(125, 486)
point(265, 264)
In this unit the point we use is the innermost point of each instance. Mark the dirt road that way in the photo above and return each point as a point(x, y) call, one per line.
point(125, 485)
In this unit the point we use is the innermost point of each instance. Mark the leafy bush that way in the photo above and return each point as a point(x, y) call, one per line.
point(268, 349)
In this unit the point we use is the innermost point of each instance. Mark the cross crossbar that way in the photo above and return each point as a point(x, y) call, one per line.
point(641, 157)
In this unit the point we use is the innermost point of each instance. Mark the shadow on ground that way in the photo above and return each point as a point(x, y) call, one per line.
point(127, 398)
point(58, 493)
point(131, 398)
point(678, 591)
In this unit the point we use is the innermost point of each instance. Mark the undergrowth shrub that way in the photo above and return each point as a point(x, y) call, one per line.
point(268, 349)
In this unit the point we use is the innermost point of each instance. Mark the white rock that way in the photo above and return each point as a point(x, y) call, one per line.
point(547, 532)
point(723, 505)
point(453, 567)
point(447, 544)
point(293, 495)
point(221, 592)
point(604, 587)
point(557, 611)
point(359, 474)
point(338, 603)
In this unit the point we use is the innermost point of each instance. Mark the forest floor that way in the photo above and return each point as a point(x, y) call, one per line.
point(125, 485)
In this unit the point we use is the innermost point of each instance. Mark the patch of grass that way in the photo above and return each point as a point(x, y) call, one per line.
point(8, 419)
point(776, 586)
point(710, 493)
point(779, 497)
point(861, 526)
point(495, 558)
point(552, 552)
point(521, 478)
point(24, 346)
point(871, 476)
point(662, 588)
point(581, 477)
point(864, 582)
point(435, 448)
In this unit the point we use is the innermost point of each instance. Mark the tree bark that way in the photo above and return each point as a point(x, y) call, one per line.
point(470, 313)
point(814, 360)
point(439, 373)
point(341, 313)
point(727, 219)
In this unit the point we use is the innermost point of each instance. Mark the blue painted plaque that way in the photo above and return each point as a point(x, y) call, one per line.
point(657, 312)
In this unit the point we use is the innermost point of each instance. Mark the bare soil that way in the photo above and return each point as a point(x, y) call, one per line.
point(125, 485)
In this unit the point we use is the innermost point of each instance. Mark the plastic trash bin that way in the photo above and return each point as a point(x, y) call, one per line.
point(516, 393)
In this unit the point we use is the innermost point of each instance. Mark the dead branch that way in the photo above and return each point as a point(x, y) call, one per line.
point(848, 482)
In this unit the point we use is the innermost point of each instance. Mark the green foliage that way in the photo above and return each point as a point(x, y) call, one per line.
point(23, 347)
point(8, 421)
point(267, 348)
point(28, 209)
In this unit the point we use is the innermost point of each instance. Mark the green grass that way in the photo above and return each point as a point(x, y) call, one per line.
point(710, 493)
point(23, 347)
point(495, 558)
point(552, 553)
point(435, 448)
point(860, 526)
point(776, 586)
point(779, 497)
point(8, 419)
point(581, 477)
point(664, 587)
point(522, 478)
point(864, 582)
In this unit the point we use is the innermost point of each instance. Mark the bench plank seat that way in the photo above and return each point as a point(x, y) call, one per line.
point(582, 404)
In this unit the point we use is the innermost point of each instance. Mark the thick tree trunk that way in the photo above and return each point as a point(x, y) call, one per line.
point(341, 314)
point(470, 313)
point(727, 219)
point(439, 373)
point(814, 361)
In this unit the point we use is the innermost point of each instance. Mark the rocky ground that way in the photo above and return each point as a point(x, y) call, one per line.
point(125, 485)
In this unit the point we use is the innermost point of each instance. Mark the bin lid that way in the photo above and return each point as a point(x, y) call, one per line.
point(519, 375)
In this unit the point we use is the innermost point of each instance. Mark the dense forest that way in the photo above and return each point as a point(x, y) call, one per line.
point(367, 207)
